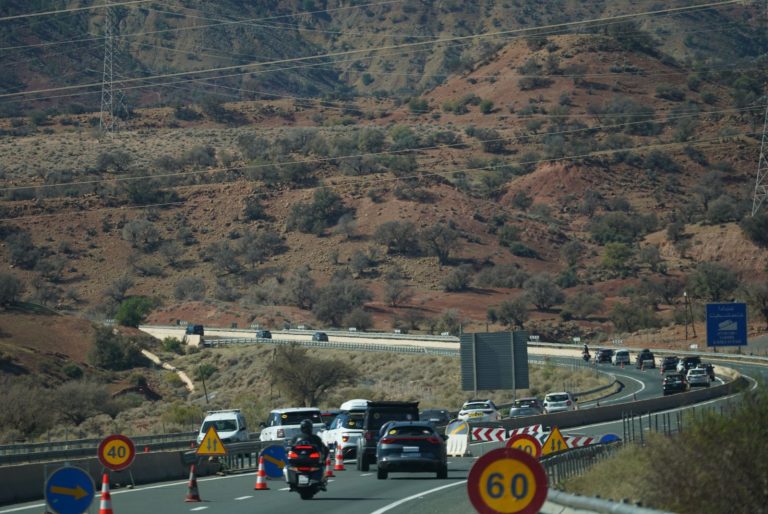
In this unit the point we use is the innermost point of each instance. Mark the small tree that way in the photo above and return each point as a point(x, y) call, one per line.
point(132, 311)
point(617, 256)
point(712, 282)
point(584, 303)
point(305, 379)
point(542, 291)
point(513, 313)
point(572, 251)
point(400, 237)
point(190, 288)
point(337, 299)
point(10, 289)
point(439, 239)
point(300, 289)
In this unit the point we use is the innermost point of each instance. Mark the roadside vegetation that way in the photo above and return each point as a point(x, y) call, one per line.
point(715, 465)
point(255, 378)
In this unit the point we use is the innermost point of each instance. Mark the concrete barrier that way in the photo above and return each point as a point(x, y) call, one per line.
point(26, 482)
point(615, 412)
point(457, 445)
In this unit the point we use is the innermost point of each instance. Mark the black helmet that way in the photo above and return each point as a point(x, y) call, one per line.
point(306, 426)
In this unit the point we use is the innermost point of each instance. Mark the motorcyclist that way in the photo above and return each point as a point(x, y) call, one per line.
point(585, 353)
point(306, 436)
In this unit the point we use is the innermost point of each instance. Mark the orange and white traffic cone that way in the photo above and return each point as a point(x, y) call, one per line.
point(328, 467)
point(261, 477)
point(192, 494)
point(105, 507)
point(339, 458)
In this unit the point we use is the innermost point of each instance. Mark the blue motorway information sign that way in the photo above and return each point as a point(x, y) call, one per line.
point(69, 490)
point(726, 324)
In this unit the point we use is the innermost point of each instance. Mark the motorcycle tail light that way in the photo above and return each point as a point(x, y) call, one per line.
point(306, 469)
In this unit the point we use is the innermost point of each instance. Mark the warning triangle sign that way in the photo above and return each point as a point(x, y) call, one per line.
point(554, 443)
point(211, 444)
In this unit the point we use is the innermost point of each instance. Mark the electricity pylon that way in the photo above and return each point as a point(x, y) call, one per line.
point(111, 98)
point(761, 183)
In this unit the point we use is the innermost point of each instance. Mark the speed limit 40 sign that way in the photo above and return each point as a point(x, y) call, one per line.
point(116, 452)
point(509, 481)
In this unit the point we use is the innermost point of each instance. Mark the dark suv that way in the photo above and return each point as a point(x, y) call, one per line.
point(669, 363)
point(376, 415)
point(604, 355)
point(645, 360)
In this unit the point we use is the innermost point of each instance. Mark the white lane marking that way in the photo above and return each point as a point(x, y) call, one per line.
point(285, 489)
point(239, 498)
point(366, 474)
point(198, 508)
point(642, 388)
point(28, 507)
point(416, 497)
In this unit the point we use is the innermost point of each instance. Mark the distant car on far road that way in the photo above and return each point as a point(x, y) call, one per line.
point(620, 357)
point(320, 336)
point(603, 355)
point(669, 363)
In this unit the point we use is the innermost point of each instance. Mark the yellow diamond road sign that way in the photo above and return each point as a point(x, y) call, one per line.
point(554, 443)
point(211, 444)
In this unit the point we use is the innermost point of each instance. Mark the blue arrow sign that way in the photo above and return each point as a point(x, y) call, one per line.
point(274, 460)
point(69, 490)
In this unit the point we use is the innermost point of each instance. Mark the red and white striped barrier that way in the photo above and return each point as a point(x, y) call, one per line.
point(577, 441)
point(533, 429)
point(489, 434)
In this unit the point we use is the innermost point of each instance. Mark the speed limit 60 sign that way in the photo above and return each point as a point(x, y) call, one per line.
point(509, 481)
point(116, 452)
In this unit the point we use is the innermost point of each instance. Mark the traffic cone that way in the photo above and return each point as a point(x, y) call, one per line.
point(328, 467)
point(339, 460)
point(261, 477)
point(192, 494)
point(105, 507)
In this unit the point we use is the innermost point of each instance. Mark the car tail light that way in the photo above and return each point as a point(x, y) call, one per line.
point(568, 402)
point(280, 433)
point(387, 440)
point(344, 438)
point(307, 469)
point(433, 440)
point(293, 455)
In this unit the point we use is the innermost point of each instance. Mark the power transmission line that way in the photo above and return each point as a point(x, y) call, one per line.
point(761, 181)
point(71, 10)
point(112, 100)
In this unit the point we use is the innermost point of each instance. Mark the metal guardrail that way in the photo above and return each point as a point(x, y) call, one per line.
point(367, 347)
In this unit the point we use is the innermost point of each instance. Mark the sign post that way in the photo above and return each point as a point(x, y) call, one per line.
point(69, 490)
point(726, 324)
point(507, 481)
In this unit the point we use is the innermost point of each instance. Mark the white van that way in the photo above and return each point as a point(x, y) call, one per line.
point(283, 424)
point(620, 357)
point(229, 424)
point(346, 428)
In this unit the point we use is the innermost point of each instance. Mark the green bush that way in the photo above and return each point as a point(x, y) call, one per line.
point(132, 311)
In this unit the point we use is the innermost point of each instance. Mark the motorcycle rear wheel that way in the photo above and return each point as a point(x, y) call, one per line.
point(306, 494)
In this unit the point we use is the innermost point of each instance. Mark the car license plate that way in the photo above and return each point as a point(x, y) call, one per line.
point(303, 480)
point(411, 454)
point(475, 414)
point(408, 449)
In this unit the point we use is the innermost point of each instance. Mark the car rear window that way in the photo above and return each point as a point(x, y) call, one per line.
point(221, 425)
point(410, 431)
point(476, 406)
point(295, 418)
point(557, 397)
point(354, 420)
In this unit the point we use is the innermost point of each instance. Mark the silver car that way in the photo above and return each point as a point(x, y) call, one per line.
point(697, 377)
point(559, 402)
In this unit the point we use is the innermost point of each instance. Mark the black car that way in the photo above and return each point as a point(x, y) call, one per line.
point(438, 417)
point(675, 383)
point(669, 363)
point(263, 334)
point(319, 336)
point(645, 360)
point(604, 355)
point(411, 446)
point(376, 415)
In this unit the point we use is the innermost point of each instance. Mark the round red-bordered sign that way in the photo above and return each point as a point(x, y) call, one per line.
point(507, 481)
point(526, 443)
point(116, 452)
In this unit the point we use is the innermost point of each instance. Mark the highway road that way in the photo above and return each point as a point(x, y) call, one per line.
point(356, 492)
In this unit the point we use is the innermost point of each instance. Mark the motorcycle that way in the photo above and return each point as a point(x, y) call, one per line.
point(585, 356)
point(304, 471)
